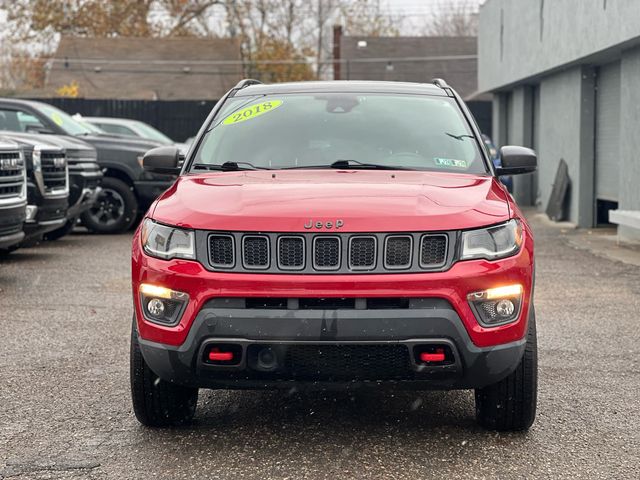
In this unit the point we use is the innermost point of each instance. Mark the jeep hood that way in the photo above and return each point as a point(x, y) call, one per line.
point(365, 200)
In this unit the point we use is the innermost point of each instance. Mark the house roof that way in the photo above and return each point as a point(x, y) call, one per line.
point(146, 68)
point(412, 59)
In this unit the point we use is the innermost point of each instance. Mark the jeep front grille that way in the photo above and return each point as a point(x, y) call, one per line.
point(290, 253)
point(323, 253)
point(255, 252)
point(433, 250)
point(362, 253)
point(326, 253)
point(397, 252)
point(221, 251)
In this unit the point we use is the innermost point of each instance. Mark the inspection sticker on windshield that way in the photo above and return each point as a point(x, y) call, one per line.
point(252, 112)
point(450, 162)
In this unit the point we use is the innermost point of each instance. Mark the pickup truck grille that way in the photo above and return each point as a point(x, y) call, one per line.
point(12, 177)
point(325, 253)
point(54, 170)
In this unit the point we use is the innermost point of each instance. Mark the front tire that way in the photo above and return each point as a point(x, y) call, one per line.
point(157, 403)
point(510, 404)
point(115, 209)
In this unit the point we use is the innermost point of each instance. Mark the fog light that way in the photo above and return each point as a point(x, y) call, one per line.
point(162, 305)
point(155, 307)
point(505, 308)
point(32, 211)
point(496, 306)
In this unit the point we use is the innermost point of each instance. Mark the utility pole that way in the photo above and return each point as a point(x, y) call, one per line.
point(320, 38)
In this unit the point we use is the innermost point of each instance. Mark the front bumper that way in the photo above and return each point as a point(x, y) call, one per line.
point(11, 220)
point(84, 189)
point(332, 349)
point(51, 214)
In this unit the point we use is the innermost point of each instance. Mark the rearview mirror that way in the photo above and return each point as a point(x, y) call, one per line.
point(517, 160)
point(162, 160)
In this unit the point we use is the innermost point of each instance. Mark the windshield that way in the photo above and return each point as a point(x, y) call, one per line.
point(149, 132)
point(302, 131)
point(85, 123)
point(65, 121)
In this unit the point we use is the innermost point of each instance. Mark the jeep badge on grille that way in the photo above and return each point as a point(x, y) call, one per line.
point(310, 224)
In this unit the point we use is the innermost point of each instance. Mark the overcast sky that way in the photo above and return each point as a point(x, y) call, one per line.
point(416, 13)
point(424, 6)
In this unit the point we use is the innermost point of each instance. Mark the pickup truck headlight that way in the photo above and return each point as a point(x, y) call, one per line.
point(492, 243)
point(166, 242)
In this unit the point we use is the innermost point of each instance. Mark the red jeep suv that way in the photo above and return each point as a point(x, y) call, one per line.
point(335, 235)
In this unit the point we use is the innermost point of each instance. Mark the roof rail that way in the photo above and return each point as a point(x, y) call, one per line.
point(439, 82)
point(246, 82)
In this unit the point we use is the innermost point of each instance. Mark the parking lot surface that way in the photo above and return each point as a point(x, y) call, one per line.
point(65, 411)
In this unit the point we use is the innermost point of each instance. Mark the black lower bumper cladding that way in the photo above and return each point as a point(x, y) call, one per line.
point(424, 346)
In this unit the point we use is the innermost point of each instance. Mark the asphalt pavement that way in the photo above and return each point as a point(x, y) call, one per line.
point(65, 410)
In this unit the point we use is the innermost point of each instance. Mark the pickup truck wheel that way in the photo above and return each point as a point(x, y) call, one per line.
point(157, 403)
point(115, 209)
point(510, 404)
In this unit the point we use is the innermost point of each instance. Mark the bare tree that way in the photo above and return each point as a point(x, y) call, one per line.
point(279, 39)
point(454, 20)
point(366, 18)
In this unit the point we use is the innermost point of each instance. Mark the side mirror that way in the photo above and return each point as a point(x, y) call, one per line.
point(517, 160)
point(162, 160)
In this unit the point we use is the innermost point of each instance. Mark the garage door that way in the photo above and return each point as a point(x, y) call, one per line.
point(608, 132)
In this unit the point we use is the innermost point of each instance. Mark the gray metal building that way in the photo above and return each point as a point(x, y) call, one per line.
point(565, 75)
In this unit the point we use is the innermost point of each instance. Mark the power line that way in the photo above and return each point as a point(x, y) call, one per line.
point(99, 62)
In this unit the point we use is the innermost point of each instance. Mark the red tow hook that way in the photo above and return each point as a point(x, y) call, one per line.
point(215, 355)
point(436, 357)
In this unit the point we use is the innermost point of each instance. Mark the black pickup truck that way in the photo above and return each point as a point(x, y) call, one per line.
point(47, 186)
point(85, 175)
point(13, 195)
point(126, 189)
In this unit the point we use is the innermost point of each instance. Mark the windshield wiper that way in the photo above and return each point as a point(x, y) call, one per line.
point(228, 166)
point(348, 165)
point(459, 137)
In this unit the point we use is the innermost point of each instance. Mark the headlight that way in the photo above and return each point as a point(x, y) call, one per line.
point(166, 242)
point(492, 243)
